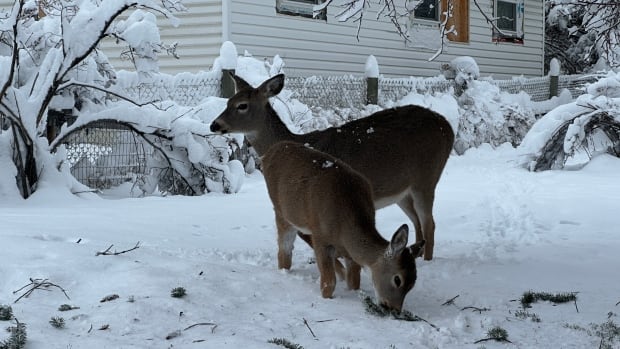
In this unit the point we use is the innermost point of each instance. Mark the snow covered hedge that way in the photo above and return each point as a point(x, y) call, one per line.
point(583, 128)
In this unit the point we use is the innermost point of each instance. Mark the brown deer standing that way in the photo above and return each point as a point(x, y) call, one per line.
point(401, 151)
point(325, 198)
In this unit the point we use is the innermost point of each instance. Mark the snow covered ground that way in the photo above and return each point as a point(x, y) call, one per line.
point(501, 231)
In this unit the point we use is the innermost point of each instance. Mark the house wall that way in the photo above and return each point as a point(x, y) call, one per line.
point(317, 47)
point(199, 38)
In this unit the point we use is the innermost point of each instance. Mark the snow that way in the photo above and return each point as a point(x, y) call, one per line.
point(228, 56)
point(465, 69)
point(554, 67)
point(501, 231)
point(371, 69)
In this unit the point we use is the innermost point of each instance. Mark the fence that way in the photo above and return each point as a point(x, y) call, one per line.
point(107, 155)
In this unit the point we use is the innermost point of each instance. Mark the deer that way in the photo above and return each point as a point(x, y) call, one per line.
point(402, 151)
point(329, 201)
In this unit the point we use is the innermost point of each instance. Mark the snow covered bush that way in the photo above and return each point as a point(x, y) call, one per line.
point(579, 130)
point(49, 59)
point(488, 115)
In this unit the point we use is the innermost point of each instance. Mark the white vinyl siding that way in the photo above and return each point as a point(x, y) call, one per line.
point(317, 47)
point(323, 48)
point(199, 38)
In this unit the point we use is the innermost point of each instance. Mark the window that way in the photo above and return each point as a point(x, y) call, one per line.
point(427, 9)
point(509, 15)
point(301, 8)
point(424, 27)
point(506, 15)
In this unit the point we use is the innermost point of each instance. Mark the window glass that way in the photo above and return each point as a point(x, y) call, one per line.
point(427, 9)
point(506, 15)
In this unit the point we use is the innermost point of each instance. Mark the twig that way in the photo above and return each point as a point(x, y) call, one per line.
point(320, 321)
point(38, 284)
point(480, 310)
point(451, 300)
point(308, 326)
point(108, 253)
point(576, 308)
point(492, 339)
point(200, 324)
point(618, 303)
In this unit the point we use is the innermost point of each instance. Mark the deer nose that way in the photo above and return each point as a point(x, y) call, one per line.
point(387, 305)
point(215, 127)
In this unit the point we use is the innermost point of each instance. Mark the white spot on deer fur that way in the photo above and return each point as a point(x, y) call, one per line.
point(328, 164)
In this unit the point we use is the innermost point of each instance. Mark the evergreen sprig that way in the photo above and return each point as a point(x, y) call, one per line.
point(6, 312)
point(378, 310)
point(285, 343)
point(530, 297)
point(17, 339)
point(57, 322)
point(178, 292)
point(67, 307)
point(495, 334)
point(609, 332)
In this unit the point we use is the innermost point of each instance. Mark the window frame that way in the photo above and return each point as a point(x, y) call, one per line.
point(515, 36)
point(300, 8)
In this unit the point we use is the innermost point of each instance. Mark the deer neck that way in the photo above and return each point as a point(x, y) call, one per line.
point(365, 246)
point(272, 132)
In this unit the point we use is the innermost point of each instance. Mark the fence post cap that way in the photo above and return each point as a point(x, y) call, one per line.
point(228, 56)
point(554, 67)
point(371, 69)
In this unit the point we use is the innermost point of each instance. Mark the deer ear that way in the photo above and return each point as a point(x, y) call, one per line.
point(399, 240)
point(417, 249)
point(240, 84)
point(272, 86)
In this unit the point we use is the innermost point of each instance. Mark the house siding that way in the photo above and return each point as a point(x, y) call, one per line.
point(315, 47)
point(324, 48)
point(199, 38)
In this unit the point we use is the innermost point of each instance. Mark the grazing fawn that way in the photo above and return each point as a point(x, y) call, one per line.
point(323, 197)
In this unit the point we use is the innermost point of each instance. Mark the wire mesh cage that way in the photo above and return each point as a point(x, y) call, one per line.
point(106, 154)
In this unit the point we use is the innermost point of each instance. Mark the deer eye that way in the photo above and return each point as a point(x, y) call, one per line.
point(242, 107)
point(397, 281)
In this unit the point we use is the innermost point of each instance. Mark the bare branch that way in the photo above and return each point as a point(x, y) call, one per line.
point(37, 284)
point(115, 253)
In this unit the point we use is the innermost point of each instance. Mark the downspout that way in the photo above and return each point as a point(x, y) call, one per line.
point(544, 32)
point(226, 20)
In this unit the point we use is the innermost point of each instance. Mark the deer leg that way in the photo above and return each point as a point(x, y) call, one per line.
point(340, 270)
point(353, 274)
point(325, 257)
point(286, 240)
point(407, 205)
point(423, 205)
